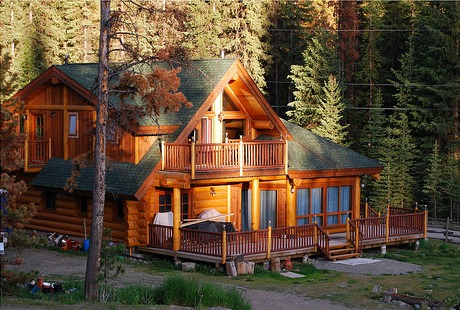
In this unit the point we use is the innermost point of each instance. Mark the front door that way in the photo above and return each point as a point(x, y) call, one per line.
point(37, 145)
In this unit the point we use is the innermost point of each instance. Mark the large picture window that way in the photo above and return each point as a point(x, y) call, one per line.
point(324, 205)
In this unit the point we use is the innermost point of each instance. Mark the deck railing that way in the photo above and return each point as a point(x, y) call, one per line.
point(36, 152)
point(391, 225)
point(241, 156)
point(272, 240)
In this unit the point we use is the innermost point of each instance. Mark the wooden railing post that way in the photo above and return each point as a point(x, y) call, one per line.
point(224, 247)
point(357, 237)
point(315, 237)
point(425, 224)
point(193, 158)
point(366, 209)
point(26, 154)
point(269, 239)
point(387, 225)
point(163, 156)
point(348, 229)
point(241, 157)
point(49, 148)
point(148, 233)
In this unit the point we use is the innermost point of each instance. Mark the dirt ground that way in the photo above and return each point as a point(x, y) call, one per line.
point(52, 264)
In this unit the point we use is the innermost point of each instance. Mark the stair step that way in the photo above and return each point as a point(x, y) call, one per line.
point(343, 256)
point(339, 246)
point(341, 251)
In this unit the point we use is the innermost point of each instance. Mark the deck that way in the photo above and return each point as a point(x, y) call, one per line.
point(219, 247)
point(234, 158)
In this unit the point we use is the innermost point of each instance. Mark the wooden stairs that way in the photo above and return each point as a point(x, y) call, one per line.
point(342, 251)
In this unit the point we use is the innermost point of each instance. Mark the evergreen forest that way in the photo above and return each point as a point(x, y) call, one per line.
point(379, 76)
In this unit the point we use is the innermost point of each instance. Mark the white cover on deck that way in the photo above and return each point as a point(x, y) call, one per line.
point(164, 218)
point(212, 213)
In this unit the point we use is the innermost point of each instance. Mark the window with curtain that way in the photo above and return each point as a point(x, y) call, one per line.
point(303, 206)
point(317, 205)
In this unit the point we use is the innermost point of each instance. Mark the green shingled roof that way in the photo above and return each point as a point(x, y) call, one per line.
point(309, 151)
point(198, 79)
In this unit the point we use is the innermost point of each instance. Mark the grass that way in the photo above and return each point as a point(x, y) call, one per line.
point(438, 280)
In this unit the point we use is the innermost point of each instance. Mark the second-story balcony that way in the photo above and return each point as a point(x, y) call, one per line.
point(35, 154)
point(233, 159)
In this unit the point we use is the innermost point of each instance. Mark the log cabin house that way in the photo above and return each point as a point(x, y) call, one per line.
point(284, 190)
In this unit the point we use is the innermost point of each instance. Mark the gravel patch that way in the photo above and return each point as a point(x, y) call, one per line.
point(379, 266)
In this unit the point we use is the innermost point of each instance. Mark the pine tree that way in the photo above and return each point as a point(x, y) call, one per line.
point(290, 22)
point(330, 112)
point(319, 61)
point(434, 181)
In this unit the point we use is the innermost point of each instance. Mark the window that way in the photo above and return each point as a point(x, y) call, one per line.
point(165, 203)
point(119, 212)
point(73, 125)
point(336, 200)
point(83, 203)
point(309, 206)
point(50, 200)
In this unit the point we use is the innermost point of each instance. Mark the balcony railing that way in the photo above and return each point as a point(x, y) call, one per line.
point(36, 153)
point(238, 156)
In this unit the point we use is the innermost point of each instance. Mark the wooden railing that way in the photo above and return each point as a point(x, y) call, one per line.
point(36, 152)
point(391, 225)
point(323, 240)
point(160, 236)
point(237, 156)
point(272, 240)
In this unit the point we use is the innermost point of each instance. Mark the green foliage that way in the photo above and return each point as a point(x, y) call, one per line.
point(319, 61)
point(330, 112)
point(180, 291)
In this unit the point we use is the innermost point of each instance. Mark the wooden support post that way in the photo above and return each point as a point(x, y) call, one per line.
point(193, 158)
point(65, 99)
point(255, 210)
point(224, 247)
point(269, 241)
point(176, 219)
point(425, 225)
point(147, 242)
point(290, 204)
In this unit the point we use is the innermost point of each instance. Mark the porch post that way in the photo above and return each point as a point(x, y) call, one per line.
point(176, 219)
point(269, 239)
point(255, 208)
point(49, 148)
point(290, 204)
point(224, 247)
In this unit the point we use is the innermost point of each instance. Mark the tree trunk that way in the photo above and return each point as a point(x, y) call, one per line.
point(94, 254)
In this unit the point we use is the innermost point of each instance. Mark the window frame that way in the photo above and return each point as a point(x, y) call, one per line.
point(73, 130)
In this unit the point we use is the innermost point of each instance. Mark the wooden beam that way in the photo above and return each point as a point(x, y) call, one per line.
point(176, 219)
point(255, 210)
